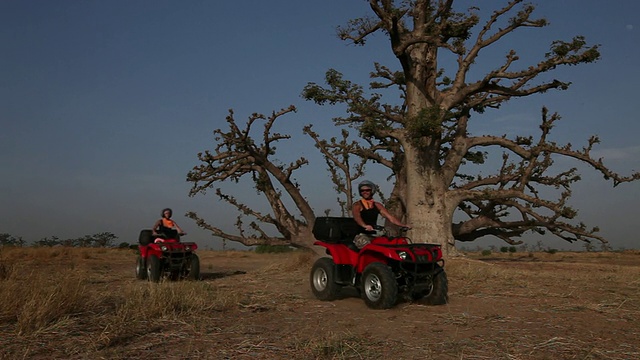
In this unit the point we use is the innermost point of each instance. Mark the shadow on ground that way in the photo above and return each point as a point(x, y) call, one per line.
point(220, 275)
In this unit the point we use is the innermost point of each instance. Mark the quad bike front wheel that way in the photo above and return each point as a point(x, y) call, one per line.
point(436, 293)
point(379, 286)
point(193, 269)
point(439, 290)
point(141, 271)
point(323, 281)
point(153, 268)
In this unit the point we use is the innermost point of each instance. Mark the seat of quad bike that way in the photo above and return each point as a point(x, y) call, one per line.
point(145, 237)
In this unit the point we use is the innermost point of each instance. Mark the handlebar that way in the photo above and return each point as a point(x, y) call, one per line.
point(403, 229)
point(400, 233)
point(164, 236)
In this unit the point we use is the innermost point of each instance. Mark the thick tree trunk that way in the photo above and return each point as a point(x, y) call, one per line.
point(396, 202)
point(429, 214)
point(305, 239)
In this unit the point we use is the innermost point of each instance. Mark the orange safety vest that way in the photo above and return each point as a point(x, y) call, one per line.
point(168, 223)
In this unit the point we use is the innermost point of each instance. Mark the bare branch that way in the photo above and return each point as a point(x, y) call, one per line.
point(236, 155)
point(245, 240)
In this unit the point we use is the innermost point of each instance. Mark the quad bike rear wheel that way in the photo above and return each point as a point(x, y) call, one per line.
point(379, 286)
point(323, 281)
point(141, 271)
point(153, 268)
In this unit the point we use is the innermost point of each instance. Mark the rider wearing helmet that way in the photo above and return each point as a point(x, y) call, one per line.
point(167, 226)
point(365, 213)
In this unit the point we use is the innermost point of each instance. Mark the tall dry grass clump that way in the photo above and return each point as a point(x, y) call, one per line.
point(34, 300)
point(6, 269)
point(54, 286)
point(143, 301)
point(142, 305)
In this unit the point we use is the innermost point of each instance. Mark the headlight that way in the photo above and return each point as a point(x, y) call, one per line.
point(403, 255)
point(164, 248)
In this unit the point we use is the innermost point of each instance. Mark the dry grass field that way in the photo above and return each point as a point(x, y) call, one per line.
point(69, 303)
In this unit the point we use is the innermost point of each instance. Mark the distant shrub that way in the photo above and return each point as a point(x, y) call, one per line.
point(486, 252)
point(512, 249)
point(504, 249)
point(589, 247)
point(551, 251)
point(272, 249)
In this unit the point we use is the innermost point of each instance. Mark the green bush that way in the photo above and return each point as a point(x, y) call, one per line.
point(271, 249)
point(486, 252)
point(512, 249)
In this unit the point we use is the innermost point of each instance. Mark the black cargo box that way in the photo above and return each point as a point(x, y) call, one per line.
point(335, 229)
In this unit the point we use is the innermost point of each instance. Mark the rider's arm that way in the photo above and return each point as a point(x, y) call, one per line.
point(179, 229)
point(356, 209)
point(387, 215)
point(155, 227)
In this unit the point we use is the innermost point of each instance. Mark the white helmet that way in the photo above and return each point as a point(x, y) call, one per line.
point(367, 183)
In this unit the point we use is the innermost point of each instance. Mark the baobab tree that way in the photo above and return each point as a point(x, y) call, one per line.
point(422, 136)
point(428, 127)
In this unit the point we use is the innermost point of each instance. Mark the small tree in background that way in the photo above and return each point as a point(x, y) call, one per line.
point(9, 240)
point(104, 239)
point(48, 241)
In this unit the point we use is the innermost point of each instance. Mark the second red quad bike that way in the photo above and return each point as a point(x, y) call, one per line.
point(166, 257)
point(382, 271)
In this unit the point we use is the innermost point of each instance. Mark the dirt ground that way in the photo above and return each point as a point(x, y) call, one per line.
point(502, 306)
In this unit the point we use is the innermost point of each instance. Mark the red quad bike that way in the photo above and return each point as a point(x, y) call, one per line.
point(166, 257)
point(382, 271)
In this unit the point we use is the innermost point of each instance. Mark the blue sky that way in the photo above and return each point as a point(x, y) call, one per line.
point(104, 105)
